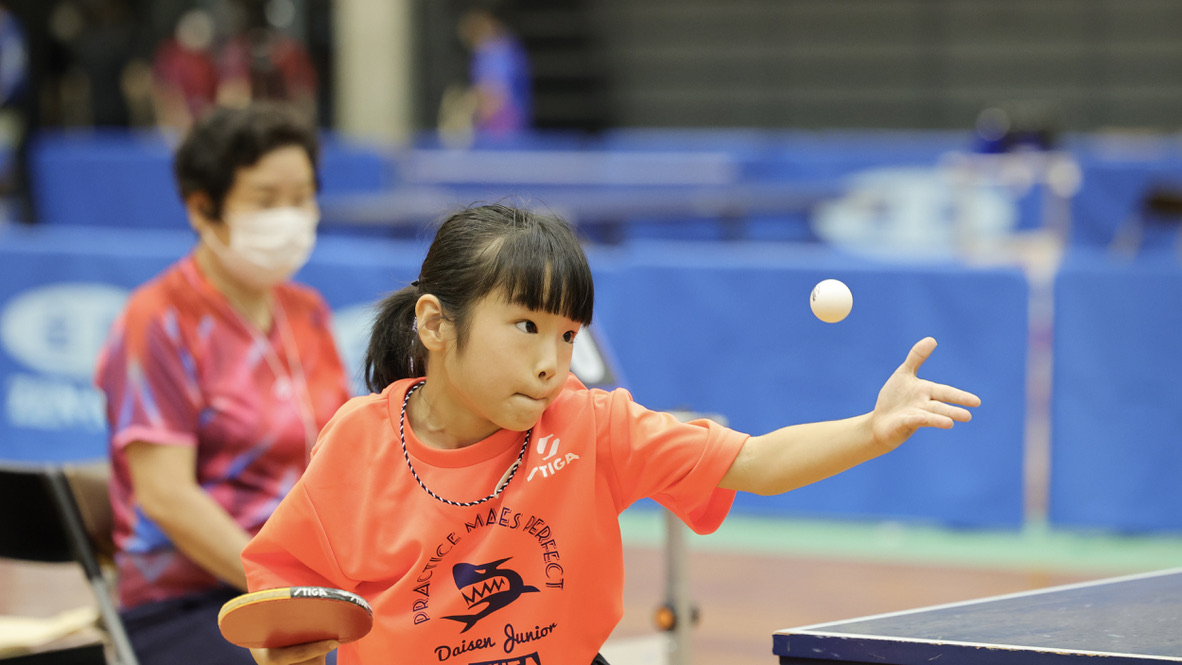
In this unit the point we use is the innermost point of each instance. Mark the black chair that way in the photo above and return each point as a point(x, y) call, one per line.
point(61, 513)
point(90, 654)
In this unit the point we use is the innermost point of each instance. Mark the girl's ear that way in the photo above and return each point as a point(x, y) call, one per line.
point(432, 326)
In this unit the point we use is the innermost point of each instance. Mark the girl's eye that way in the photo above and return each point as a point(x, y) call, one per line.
point(569, 336)
point(527, 326)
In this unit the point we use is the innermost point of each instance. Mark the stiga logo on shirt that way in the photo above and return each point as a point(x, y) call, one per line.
point(552, 461)
point(487, 587)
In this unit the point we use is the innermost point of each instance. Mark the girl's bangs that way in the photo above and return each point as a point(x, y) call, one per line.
point(560, 285)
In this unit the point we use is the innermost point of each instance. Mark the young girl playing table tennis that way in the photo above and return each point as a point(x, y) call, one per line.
point(474, 500)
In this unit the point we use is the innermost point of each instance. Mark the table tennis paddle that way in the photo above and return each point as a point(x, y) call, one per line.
point(294, 615)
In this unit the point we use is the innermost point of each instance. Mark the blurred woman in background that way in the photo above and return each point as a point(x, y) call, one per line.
point(218, 376)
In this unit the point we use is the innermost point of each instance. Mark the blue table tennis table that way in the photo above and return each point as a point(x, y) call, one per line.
point(1135, 619)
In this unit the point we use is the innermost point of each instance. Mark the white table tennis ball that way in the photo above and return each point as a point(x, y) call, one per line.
point(831, 300)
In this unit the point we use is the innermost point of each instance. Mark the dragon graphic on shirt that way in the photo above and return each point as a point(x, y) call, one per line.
point(487, 587)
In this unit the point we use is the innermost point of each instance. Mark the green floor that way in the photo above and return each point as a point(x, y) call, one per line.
point(1034, 548)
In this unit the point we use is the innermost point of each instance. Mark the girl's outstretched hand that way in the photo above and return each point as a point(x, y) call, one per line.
point(907, 402)
point(312, 653)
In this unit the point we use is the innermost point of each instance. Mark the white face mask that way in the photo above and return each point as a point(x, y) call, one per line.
point(266, 247)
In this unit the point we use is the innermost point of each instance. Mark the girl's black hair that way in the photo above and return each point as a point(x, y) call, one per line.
point(227, 139)
point(533, 259)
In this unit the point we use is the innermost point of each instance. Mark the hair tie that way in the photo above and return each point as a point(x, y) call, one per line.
point(415, 283)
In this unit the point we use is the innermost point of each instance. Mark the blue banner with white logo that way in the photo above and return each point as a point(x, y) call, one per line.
point(709, 329)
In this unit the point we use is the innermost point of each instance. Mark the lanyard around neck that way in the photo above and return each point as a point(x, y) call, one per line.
point(290, 382)
point(289, 385)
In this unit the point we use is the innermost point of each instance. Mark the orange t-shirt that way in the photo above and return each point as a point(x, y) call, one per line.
point(534, 576)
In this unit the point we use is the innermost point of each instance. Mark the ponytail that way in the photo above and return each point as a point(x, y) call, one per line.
point(394, 351)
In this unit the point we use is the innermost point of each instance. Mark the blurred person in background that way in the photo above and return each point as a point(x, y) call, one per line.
point(498, 100)
point(99, 37)
point(184, 71)
point(218, 376)
point(253, 58)
point(261, 61)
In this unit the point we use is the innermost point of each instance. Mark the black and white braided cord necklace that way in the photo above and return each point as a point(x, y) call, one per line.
point(463, 504)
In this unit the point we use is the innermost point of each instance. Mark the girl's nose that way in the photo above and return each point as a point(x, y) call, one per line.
point(547, 361)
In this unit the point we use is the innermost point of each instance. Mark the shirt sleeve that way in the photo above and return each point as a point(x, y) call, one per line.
point(677, 464)
point(292, 549)
point(149, 376)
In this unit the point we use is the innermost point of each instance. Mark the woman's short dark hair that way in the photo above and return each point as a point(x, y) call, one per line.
point(532, 259)
point(227, 139)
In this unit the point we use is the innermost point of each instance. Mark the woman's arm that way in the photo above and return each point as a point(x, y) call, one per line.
point(165, 482)
point(796, 456)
